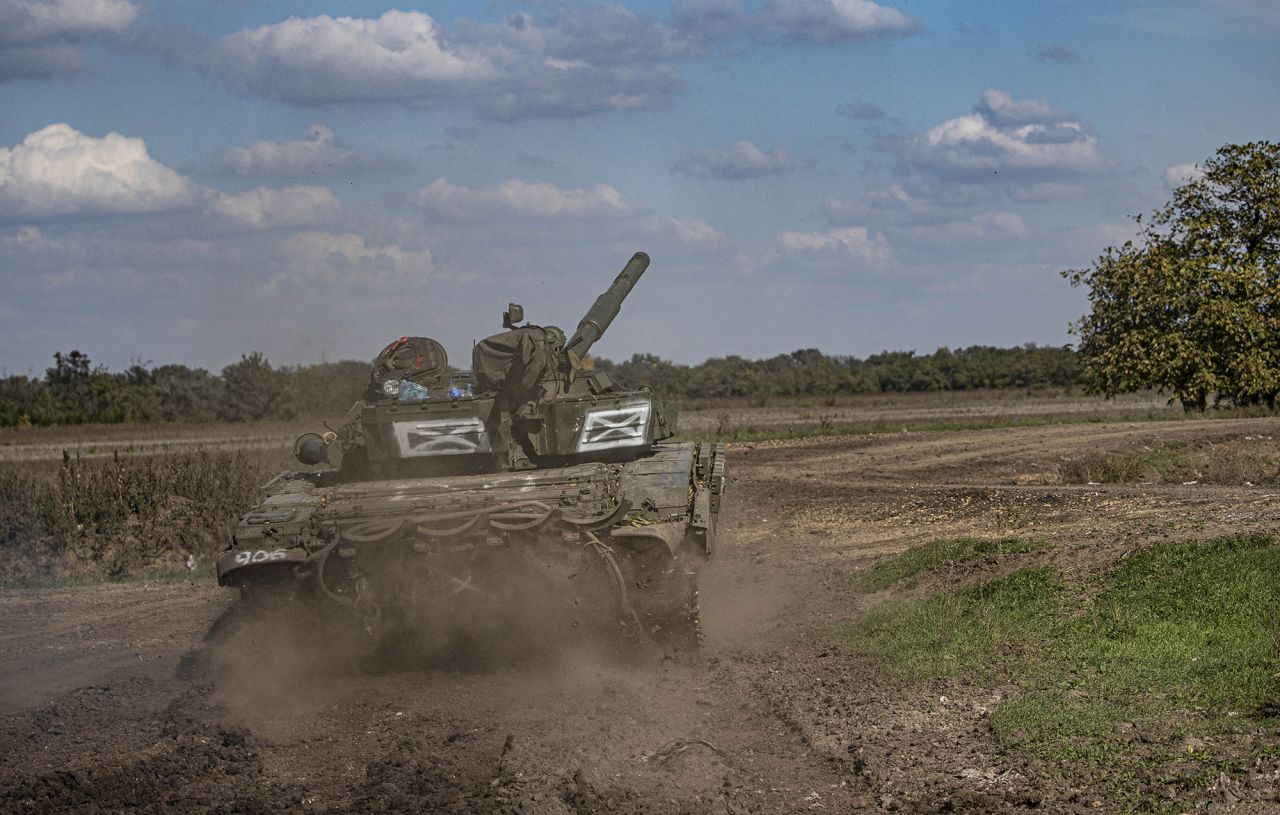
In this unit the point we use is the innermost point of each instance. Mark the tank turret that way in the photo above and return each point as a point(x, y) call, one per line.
point(527, 401)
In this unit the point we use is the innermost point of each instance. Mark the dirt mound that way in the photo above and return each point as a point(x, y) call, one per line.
point(184, 761)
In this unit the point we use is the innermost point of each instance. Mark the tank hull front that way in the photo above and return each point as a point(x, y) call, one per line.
point(620, 541)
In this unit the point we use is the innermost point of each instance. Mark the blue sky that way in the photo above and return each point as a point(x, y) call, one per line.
point(189, 180)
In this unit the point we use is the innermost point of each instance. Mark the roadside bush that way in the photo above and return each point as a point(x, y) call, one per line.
point(1226, 463)
point(116, 516)
point(1104, 468)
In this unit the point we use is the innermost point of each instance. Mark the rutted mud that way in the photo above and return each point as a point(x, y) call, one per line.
point(160, 697)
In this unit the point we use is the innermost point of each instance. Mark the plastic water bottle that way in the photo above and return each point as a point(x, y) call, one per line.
point(412, 392)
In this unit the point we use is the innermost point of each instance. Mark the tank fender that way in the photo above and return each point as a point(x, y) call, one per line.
point(670, 533)
point(235, 565)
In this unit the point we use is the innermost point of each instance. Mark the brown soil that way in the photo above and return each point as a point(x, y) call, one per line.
point(164, 697)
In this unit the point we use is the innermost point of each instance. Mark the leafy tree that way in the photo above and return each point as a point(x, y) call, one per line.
point(329, 388)
point(666, 378)
point(895, 370)
point(25, 401)
point(186, 394)
point(68, 369)
point(255, 390)
point(1193, 306)
point(728, 376)
point(817, 373)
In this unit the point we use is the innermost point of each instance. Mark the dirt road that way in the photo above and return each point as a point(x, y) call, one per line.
point(112, 699)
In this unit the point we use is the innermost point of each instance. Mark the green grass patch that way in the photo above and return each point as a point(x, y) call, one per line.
point(1197, 620)
point(957, 631)
point(1179, 641)
point(935, 555)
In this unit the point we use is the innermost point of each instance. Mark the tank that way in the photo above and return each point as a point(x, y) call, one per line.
point(459, 495)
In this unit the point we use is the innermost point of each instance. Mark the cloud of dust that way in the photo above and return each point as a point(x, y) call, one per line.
point(747, 600)
point(535, 631)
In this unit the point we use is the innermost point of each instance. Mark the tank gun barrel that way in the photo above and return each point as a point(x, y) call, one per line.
point(606, 306)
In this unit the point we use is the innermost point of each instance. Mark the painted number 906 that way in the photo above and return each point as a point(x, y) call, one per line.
point(260, 556)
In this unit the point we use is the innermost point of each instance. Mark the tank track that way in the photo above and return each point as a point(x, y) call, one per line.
point(665, 598)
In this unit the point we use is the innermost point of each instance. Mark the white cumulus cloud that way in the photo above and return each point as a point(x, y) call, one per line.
point(1026, 140)
point(318, 154)
point(60, 171)
point(894, 203)
point(985, 227)
point(31, 22)
point(349, 259)
point(710, 19)
point(560, 59)
point(693, 231)
point(815, 22)
point(566, 61)
point(827, 22)
point(398, 55)
point(1002, 110)
point(513, 197)
point(856, 241)
point(743, 160)
point(270, 208)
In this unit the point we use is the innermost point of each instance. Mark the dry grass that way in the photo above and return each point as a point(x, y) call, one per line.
point(1104, 468)
point(1249, 460)
point(117, 516)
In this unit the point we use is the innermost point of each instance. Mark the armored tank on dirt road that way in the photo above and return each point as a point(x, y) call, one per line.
point(460, 494)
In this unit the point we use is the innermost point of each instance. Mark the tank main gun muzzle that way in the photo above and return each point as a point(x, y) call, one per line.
point(606, 306)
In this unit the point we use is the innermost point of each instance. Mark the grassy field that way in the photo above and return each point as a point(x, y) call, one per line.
point(1155, 672)
point(763, 419)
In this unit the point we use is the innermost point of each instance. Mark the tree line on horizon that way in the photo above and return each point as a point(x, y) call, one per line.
point(74, 391)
